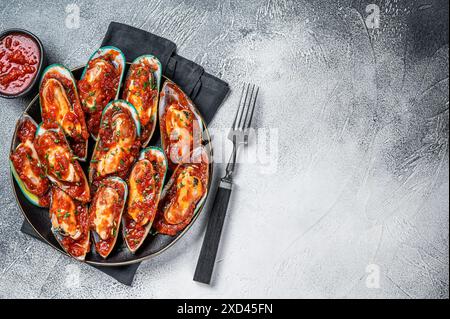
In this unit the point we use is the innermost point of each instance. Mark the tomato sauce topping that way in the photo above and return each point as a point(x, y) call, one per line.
point(145, 183)
point(44, 201)
point(141, 90)
point(98, 87)
point(19, 62)
point(26, 130)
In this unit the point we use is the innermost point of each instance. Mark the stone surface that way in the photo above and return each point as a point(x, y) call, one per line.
point(359, 178)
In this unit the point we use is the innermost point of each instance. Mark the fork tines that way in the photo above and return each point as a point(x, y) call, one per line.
point(247, 104)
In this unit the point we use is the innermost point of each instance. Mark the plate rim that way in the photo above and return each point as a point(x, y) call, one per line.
point(104, 263)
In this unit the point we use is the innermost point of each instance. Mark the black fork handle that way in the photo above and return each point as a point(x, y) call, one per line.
point(207, 258)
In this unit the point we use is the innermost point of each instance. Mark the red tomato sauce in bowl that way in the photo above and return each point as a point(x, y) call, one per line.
point(20, 61)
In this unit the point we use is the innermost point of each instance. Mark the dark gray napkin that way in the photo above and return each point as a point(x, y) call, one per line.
point(205, 90)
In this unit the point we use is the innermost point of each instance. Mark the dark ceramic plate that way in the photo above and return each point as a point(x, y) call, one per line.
point(39, 218)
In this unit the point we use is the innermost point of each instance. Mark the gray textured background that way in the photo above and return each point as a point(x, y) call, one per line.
point(362, 157)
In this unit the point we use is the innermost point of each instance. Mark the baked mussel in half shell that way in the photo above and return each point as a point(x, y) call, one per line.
point(105, 213)
point(184, 194)
point(142, 90)
point(70, 223)
point(60, 103)
point(118, 143)
point(180, 124)
point(61, 166)
point(145, 184)
point(26, 167)
point(100, 83)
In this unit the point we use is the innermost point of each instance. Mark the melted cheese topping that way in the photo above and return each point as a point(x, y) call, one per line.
point(135, 97)
point(94, 72)
point(63, 216)
point(178, 124)
point(104, 205)
point(68, 174)
point(124, 130)
point(109, 163)
point(177, 118)
point(142, 188)
point(189, 191)
point(56, 103)
point(71, 125)
point(27, 168)
point(124, 134)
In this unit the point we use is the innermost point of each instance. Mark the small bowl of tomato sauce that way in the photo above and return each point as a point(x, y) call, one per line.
point(21, 62)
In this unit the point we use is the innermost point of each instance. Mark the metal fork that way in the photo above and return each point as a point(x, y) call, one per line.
point(239, 136)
